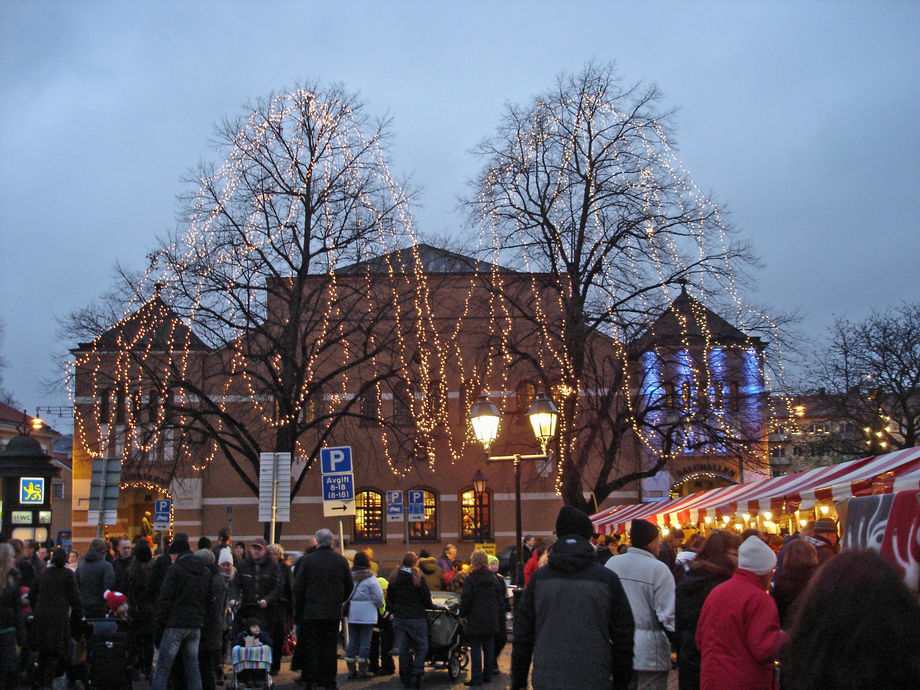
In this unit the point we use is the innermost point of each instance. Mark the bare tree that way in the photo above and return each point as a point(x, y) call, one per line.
point(581, 187)
point(6, 396)
point(257, 331)
point(870, 378)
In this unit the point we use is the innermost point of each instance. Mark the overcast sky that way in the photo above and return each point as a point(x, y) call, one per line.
point(801, 117)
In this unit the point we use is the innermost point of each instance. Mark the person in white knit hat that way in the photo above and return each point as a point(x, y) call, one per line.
point(738, 633)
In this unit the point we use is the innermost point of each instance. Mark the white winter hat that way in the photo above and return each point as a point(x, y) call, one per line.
point(756, 557)
point(225, 556)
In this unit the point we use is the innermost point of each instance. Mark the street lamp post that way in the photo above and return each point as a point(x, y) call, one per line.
point(485, 418)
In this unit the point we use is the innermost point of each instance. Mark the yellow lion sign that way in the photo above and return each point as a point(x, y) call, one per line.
point(31, 490)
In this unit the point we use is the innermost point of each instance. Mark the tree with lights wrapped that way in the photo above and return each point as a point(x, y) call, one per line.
point(582, 190)
point(869, 373)
point(257, 331)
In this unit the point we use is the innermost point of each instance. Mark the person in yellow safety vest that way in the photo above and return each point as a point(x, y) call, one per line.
point(380, 660)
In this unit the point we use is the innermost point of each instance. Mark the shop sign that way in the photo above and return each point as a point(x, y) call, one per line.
point(21, 517)
point(44, 517)
point(31, 490)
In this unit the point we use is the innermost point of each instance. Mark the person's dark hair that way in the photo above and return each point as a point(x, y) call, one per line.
point(361, 560)
point(59, 558)
point(715, 552)
point(857, 626)
point(751, 532)
point(410, 560)
point(204, 543)
point(800, 555)
point(223, 535)
point(695, 543)
point(424, 554)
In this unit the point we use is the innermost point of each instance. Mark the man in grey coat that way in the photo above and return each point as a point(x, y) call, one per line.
point(94, 576)
point(650, 588)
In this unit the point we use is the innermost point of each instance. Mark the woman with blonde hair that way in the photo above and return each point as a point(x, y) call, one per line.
point(10, 617)
point(407, 599)
point(483, 605)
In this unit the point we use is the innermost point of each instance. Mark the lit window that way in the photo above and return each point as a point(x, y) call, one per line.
point(368, 516)
point(427, 530)
point(475, 516)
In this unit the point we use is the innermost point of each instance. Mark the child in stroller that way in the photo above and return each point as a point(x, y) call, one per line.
point(251, 655)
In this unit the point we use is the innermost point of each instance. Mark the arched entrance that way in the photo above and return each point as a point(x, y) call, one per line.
point(693, 483)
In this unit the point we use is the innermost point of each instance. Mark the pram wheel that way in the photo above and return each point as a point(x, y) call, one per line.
point(455, 664)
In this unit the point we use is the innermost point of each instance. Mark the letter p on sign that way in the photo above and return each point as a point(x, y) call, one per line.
point(334, 460)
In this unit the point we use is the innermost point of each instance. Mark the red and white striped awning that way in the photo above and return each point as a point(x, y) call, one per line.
point(800, 491)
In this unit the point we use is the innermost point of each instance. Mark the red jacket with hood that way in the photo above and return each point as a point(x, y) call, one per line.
point(738, 635)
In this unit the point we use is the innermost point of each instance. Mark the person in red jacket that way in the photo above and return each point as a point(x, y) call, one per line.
point(738, 633)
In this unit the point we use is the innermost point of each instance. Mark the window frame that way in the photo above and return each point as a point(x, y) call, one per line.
point(376, 537)
point(481, 535)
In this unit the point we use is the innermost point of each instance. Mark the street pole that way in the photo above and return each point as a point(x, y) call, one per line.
point(519, 529)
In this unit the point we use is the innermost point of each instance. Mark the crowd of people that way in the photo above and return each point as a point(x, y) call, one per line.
point(728, 610)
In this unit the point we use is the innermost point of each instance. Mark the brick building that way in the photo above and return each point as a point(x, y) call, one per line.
point(407, 431)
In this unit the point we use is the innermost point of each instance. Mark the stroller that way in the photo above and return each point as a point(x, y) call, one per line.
point(107, 653)
point(252, 666)
point(446, 639)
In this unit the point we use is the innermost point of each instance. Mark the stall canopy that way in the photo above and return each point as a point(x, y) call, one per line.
point(877, 474)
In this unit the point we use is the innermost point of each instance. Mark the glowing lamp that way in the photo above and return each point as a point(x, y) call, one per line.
point(768, 515)
point(485, 417)
point(543, 415)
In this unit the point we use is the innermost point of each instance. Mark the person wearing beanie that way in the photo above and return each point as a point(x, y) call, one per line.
point(185, 601)
point(825, 539)
point(650, 589)
point(54, 598)
point(738, 633)
point(117, 603)
point(573, 620)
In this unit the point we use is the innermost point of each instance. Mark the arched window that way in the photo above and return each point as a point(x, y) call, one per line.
point(475, 515)
point(402, 404)
point(120, 407)
point(368, 516)
point(427, 530)
point(105, 405)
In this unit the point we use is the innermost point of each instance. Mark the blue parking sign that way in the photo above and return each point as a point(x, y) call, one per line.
point(416, 512)
point(335, 460)
point(338, 487)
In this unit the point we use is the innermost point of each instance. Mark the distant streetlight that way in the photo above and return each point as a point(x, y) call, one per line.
point(484, 416)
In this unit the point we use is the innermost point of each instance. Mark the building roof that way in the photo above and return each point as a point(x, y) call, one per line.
point(154, 326)
point(687, 320)
point(432, 260)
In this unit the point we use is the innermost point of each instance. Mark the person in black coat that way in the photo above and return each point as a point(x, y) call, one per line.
point(182, 607)
point(407, 598)
point(55, 603)
point(10, 617)
point(140, 607)
point(257, 587)
point(212, 634)
point(95, 575)
point(800, 565)
point(322, 585)
point(482, 603)
point(713, 565)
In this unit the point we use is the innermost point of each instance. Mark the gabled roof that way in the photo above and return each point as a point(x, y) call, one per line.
point(154, 326)
point(432, 260)
point(690, 321)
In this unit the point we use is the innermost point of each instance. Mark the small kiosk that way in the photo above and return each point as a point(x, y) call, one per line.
point(25, 474)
